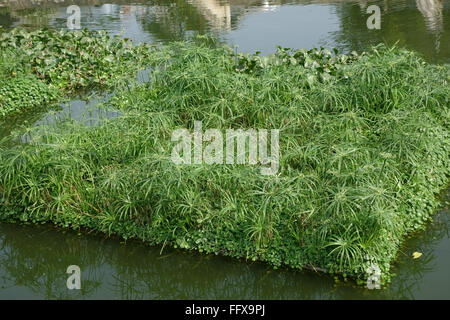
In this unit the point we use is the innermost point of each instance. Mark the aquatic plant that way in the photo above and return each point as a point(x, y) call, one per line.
point(362, 156)
point(38, 67)
point(74, 59)
point(19, 89)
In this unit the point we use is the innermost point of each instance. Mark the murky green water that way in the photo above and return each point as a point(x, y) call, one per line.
point(33, 260)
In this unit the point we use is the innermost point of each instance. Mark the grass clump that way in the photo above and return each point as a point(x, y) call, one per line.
point(363, 153)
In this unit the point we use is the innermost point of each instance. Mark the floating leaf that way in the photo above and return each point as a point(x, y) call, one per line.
point(416, 255)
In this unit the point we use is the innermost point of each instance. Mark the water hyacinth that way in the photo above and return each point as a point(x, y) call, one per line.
point(40, 67)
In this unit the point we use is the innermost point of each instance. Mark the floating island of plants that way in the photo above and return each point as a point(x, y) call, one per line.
point(364, 149)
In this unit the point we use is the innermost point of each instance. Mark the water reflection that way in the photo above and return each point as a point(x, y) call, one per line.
point(39, 271)
point(432, 12)
point(34, 259)
point(91, 111)
point(254, 24)
point(9, 125)
point(34, 263)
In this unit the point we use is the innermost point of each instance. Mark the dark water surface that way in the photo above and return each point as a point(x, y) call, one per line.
point(34, 259)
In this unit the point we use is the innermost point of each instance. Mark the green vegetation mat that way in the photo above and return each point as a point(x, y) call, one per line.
point(364, 149)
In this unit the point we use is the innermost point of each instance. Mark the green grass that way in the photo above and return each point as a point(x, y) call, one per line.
point(364, 144)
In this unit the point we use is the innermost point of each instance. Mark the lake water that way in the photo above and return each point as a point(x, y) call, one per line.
point(421, 25)
point(33, 259)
